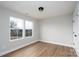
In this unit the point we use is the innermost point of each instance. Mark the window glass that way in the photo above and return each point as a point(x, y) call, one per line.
point(16, 28)
point(28, 28)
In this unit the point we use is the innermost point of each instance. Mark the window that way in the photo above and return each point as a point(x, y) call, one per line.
point(16, 28)
point(28, 28)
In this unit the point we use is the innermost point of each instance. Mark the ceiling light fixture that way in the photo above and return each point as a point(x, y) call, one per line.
point(41, 8)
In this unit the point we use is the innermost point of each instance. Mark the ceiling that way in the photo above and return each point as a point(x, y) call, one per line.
point(51, 8)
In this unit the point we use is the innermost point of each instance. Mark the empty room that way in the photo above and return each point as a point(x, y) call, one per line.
point(39, 28)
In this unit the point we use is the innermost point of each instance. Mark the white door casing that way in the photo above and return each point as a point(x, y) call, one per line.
point(76, 30)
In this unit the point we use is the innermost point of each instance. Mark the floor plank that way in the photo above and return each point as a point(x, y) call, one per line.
point(42, 49)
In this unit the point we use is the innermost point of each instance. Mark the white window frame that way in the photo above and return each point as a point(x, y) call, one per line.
point(13, 28)
point(32, 29)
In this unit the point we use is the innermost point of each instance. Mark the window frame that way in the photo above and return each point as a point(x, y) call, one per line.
point(13, 28)
point(25, 29)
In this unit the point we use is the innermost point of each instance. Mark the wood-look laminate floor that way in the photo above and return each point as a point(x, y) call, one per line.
point(42, 49)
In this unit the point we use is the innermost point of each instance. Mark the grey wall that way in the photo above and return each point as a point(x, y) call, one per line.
point(57, 29)
point(5, 44)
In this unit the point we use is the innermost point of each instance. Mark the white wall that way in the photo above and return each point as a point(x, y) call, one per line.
point(57, 30)
point(5, 44)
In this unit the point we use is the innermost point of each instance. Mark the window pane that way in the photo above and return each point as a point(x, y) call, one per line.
point(16, 28)
point(13, 34)
point(13, 23)
point(28, 25)
point(20, 32)
point(28, 32)
point(20, 26)
point(28, 28)
point(20, 23)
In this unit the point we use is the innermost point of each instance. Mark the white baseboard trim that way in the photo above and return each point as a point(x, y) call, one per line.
point(58, 43)
point(5, 52)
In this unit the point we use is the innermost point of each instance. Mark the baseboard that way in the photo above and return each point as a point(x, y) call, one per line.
point(6, 52)
point(72, 46)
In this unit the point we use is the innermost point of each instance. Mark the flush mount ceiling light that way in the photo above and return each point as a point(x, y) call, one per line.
point(40, 8)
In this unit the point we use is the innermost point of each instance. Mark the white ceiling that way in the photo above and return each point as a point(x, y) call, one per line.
point(51, 8)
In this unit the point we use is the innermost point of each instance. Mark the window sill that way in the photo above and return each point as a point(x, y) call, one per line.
point(29, 37)
point(16, 39)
